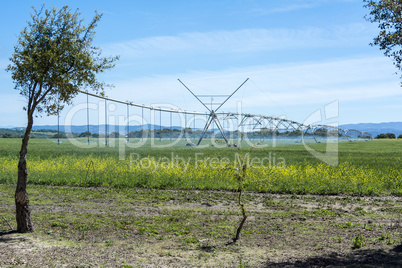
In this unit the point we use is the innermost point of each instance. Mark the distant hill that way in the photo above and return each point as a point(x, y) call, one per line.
point(376, 128)
point(47, 131)
point(373, 128)
point(19, 133)
point(101, 128)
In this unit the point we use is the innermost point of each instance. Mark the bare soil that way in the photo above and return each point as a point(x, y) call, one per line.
point(99, 227)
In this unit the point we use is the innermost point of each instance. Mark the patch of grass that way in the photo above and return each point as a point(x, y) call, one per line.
point(108, 243)
point(58, 224)
point(348, 224)
point(191, 240)
point(359, 241)
point(387, 238)
point(360, 211)
point(323, 213)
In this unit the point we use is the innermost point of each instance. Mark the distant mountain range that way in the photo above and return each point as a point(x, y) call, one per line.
point(376, 128)
point(373, 128)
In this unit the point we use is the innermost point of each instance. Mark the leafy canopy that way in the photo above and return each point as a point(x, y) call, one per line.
point(388, 15)
point(54, 57)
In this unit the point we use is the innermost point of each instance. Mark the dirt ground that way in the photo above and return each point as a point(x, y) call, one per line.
point(100, 227)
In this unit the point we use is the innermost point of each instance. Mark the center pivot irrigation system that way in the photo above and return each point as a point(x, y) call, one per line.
point(251, 121)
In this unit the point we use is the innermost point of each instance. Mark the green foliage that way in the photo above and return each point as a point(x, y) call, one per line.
point(35, 133)
point(191, 240)
point(388, 15)
point(7, 136)
point(114, 134)
point(84, 134)
point(359, 241)
point(386, 136)
point(59, 224)
point(108, 243)
point(385, 236)
point(54, 57)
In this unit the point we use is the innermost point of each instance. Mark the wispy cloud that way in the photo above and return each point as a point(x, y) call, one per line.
point(283, 8)
point(272, 88)
point(242, 41)
point(399, 107)
point(292, 5)
point(294, 90)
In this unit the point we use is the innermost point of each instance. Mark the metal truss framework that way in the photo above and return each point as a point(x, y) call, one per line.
point(277, 124)
point(254, 122)
point(212, 112)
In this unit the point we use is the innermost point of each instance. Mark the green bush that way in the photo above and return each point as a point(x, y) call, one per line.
point(386, 136)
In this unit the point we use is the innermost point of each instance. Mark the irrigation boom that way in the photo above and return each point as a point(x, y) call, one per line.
point(254, 121)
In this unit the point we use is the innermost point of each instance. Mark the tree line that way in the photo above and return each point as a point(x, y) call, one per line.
point(387, 136)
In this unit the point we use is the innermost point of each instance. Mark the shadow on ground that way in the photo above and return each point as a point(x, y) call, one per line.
point(7, 237)
point(358, 258)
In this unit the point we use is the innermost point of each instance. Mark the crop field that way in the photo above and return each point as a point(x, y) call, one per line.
point(154, 205)
point(365, 168)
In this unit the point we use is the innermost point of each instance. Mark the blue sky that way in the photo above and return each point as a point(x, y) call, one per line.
point(300, 55)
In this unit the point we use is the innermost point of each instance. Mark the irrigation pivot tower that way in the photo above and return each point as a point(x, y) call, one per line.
point(212, 112)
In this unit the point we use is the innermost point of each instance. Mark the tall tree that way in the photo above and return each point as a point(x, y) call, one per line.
point(53, 58)
point(388, 15)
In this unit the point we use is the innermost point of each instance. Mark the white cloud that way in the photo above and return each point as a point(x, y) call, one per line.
point(286, 8)
point(293, 5)
point(294, 90)
point(346, 80)
point(242, 41)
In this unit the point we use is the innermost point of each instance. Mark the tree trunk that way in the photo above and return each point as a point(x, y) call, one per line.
point(23, 211)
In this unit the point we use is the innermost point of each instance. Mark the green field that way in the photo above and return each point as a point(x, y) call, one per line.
point(365, 168)
point(142, 218)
